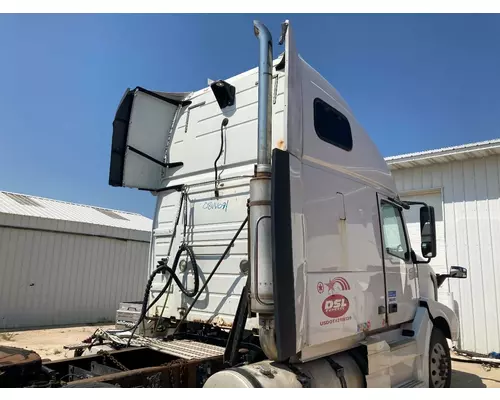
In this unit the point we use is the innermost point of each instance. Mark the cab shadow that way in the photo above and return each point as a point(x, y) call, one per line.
point(460, 379)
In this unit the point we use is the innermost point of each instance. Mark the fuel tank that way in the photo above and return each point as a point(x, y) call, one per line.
point(338, 371)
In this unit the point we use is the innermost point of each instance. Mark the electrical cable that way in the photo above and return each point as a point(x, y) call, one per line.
point(476, 358)
point(466, 353)
point(167, 285)
point(145, 310)
point(163, 268)
point(195, 293)
point(225, 121)
point(467, 360)
point(184, 195)
point(161, 313)
point(211, 274)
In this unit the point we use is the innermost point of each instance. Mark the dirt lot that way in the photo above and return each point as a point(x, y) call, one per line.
point(474, 376)
point(49, 344)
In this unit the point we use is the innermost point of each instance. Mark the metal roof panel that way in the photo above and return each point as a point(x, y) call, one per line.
point(445, 154)
point(34, 206)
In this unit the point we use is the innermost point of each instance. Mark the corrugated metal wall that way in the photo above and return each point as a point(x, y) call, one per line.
point(471, 206)
point(51, 278)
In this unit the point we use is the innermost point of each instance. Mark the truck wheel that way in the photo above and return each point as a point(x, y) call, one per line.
point(439, 361)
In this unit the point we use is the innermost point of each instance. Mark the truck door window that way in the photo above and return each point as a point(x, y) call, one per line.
point(331, 125)
point(394, 235)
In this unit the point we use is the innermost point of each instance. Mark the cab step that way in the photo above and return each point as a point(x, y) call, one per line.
point(414, 383)
point(397, 345)
point(391, 352)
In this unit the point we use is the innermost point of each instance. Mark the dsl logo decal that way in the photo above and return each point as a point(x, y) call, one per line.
point(335, 306)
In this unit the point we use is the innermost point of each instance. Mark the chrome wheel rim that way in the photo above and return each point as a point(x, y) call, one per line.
point(439, 366)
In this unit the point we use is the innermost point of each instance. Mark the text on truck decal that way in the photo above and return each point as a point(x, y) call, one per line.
point(216, 205)
point(335, 306)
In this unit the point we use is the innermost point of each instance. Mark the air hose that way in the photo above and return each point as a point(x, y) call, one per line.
point(158, 270)
point(162, 264)
point(194, 294)
point(222, 257)
point(163, 268)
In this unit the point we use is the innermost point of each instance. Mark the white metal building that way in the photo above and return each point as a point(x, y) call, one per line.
point(463, 184)
point(63, 263)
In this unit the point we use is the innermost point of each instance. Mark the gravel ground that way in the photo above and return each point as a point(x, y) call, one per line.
point(474, 376)
point(48, 343)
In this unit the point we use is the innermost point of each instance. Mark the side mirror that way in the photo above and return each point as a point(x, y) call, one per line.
point(458, 272)
point(428, 231)
point(224, 93)
point(455, 272)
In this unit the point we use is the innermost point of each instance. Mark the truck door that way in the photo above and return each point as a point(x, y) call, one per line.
point(400, 273)
point(141, 128)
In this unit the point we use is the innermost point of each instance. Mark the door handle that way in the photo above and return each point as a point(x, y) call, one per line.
point(393, 307)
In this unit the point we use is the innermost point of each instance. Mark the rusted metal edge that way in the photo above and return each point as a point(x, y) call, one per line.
point(15, 356)
point(91, 356)
point(162, 372)
point(260, 203)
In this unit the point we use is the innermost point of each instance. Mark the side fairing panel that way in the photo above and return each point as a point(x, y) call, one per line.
point(293, 97)
point(289, 268)
point(339, 283)
point(344, 266)
point(299, 251)
point(364, 161)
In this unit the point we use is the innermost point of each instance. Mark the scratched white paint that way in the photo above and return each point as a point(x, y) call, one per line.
point(470, 199)
point(63, 263)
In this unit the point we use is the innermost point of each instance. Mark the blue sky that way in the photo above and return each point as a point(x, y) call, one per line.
point(415, 82)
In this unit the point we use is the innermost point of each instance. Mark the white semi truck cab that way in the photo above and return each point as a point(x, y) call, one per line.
point(279, 232)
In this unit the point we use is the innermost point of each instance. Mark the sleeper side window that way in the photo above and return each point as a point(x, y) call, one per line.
point(393, 230)
point(331, 125)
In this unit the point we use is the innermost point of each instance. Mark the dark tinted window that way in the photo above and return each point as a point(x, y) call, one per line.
point(331, 125)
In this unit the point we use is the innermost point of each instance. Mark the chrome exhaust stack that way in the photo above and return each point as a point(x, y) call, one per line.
point(261, 271)
point(265, 97)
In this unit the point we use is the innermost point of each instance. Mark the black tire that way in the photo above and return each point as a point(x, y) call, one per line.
point(439, 360)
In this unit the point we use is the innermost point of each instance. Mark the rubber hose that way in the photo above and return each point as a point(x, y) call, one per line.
point(148, 285)
point(470, 361)
point(171, 271)
point(471, 353)
point(222, 257)
point(467, 361)
point(164, 268)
